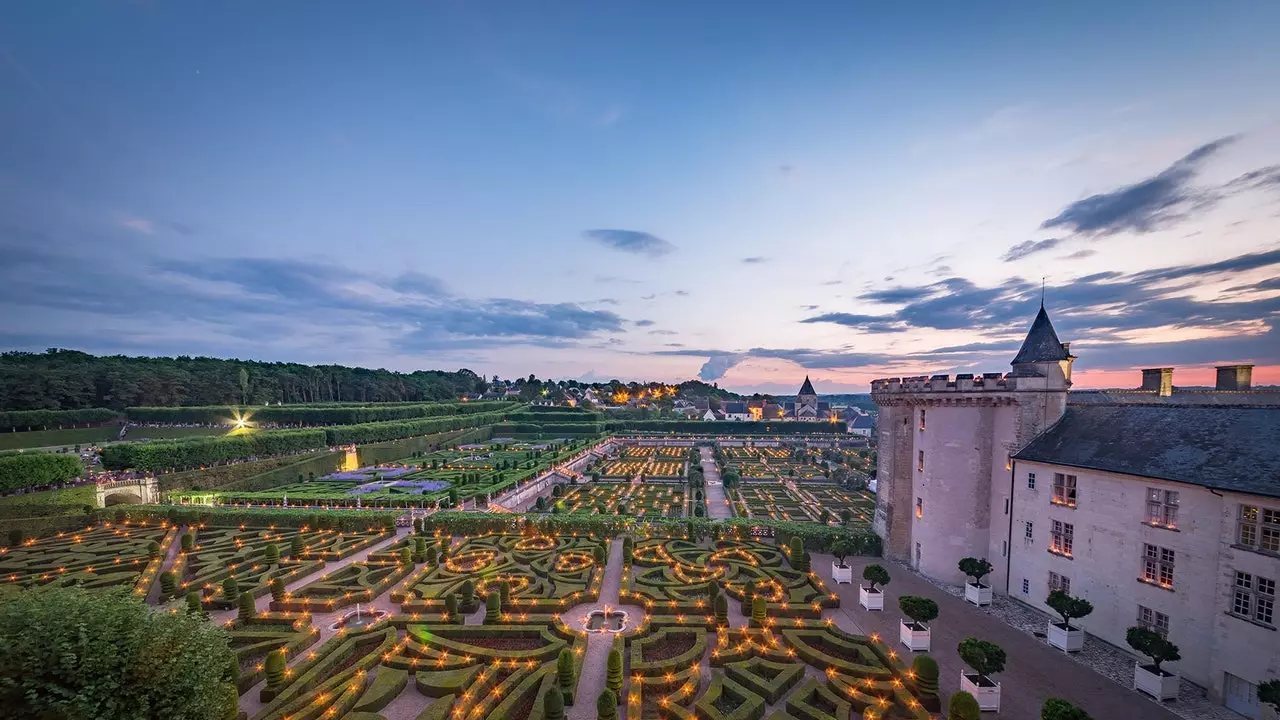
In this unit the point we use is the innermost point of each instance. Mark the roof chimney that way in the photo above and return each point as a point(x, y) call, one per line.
point(1158, 379)
point(1235, 377)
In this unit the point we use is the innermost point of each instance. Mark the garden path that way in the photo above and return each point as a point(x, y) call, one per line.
point(717, 505)
point(153, 597)
point(591, 680)
point(1034, 671)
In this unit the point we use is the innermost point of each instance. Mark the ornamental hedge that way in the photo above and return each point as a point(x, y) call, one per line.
point(344, 520)
point(698, 427)
point(18, 420)
point(199, 452)
point(311, 414)
point(33, 469)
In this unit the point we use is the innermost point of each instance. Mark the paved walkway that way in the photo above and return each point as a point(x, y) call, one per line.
point(717, 505)
point(1034, 671)
point(594, 663)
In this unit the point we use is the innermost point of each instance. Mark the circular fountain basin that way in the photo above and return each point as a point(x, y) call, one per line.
point(612, 621)
point(353, 621)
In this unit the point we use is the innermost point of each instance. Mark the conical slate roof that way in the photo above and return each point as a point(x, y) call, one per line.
point(1042, 344)
point(807, 387)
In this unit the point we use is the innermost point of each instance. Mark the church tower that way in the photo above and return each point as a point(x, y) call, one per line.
point(807, 401)
point(943, 468)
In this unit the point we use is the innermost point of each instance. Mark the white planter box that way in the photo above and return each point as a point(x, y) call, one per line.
point(916, 640)
point(841, 574)
point(871, 599)
point(1161, 687)
point(988, 697)
point(1071, 640)
point(977, 594)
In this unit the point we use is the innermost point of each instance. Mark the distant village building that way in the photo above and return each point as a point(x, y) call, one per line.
point(806, 408)
point(1160, 505)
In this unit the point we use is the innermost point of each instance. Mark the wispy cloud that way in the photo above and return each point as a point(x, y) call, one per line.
point(754, 260)
point(1029, 247)
point(643, 323)
point(631, 241)
point(137, 224)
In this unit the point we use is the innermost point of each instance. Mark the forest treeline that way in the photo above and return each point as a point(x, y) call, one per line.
point(70, 379)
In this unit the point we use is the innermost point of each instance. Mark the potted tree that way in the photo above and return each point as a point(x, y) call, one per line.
point(975, 592)
point(985, 659)
point(872, 598)
point(1269, 698)
point(1063, 635)
point(840, 571)
point(1152, 679)
point(915, 634)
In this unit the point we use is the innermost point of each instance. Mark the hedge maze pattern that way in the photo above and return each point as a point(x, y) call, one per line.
point(626, 499)
point(109, 555)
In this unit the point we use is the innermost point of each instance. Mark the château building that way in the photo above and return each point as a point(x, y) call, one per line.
point(1160, 504)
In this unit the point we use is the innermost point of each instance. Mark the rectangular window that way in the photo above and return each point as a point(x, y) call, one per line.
point(1031, 481)
point(922, 419)
point(1026, 586)
point(919, 507)
point(1006, 506)
point(1157, 565)
point(1004, 548)
point(1254, 598)
point(1064, 489)
point(1259, 528)
point(1030, 528)
point(1061, 538)
point(920, 462)
point(1162, 508)
point(1153, 620)
point(1059, 582)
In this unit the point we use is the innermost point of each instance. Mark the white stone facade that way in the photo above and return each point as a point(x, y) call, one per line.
point(1109, 536)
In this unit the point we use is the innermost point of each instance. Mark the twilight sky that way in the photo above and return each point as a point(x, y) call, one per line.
point(745, 192)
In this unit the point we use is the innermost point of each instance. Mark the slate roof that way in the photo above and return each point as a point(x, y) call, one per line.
point(807, 387)
point(735, 408)
point(1235, 449)
point(1042, 343)
point(863, 421)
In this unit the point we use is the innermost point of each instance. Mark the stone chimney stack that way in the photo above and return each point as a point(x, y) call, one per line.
point(1161, 380)
point(1235, 377)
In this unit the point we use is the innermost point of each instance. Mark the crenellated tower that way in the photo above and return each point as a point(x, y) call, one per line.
point(943, 456)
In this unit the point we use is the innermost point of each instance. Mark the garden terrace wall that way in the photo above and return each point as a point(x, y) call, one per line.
point(346, 520)
point(20, 420)
point(227, 476)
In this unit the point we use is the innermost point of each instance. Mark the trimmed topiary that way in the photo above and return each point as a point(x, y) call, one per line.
point(795, 552)
point(275, 666)
point(758, 612)
point(406, 556)
point(613, 676)
point(451, 608)
point(607, 706)
point(975, 568)
point(419, 549)
point(194, 607)
point(1068, 607)
point(504, 592)
point(722, 611)
point(168, 584)
point(925, 670)
point(553, 704)
point(433, 555)
point(985, 658)
point(1153, 645)
point(248, 609)
point(153, 549)
point(597, 554)
point(963, 706)
point(1059, 709)
point(188, 542)
point(230, 588)
point(492, 608)
point(295, 547)
point(564, 671)
point(876, 575)
point(271, 554)
point(277, 589)
point(921, 610)
point(468, 593)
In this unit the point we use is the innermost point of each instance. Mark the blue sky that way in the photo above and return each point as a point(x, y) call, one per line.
point(745, 192)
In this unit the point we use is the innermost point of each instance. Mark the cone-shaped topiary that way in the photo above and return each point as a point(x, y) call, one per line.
point(231, 698)
point(295, 547)
point(468, 593)
point(553, 704)
point(406, 556)
point(419, 549)
point(492, 608)
point(230, 588)
point(168, 583)
point(1059, 709)
point(597, 554)
point(16, 536)
point(607, 706)
point(758, 613)
point(963, 706)
point(188, 542)
point(275, 669)
point(504, 592)
point(194, 607)
point(722, 611)
point(713, 592)
point(451, 608)
point(153, 549)
point(248, 610)
point(613, 677)
point(433, 555)
point(564, 670)
point(277, 589)
point(271, 554)
point(796, 552)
